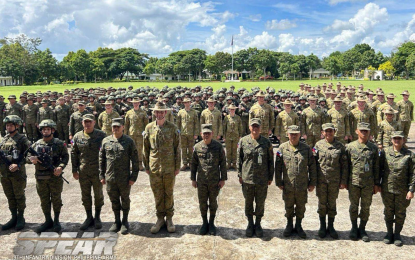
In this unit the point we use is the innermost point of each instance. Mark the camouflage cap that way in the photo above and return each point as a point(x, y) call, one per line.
point(255, 121)
point(117, 121)
point(389, 110)
point(293, 129)
point(397, 134)
point(328, 126)
point(12, 96)
point(185, 100)
point(81, 103)
point(44, 101)
point(312, 97)
point(89, 117)
point(206, 128)
point(363, 126)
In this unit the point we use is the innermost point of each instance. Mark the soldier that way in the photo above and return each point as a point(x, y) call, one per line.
point(161, 154)
point(232, 132)
point(332, 168)
point(295, 173)
point(213, 116)
point(188, 124)
point(243, 112)
point(116, 153)
point(12, 108)
point(386, 127)
point(45, 112)
point(363, 179)
point(362, 114)
point(30, 112)
point(208, 175)
point(284, 120)
point(255, 162)
point(135, 122)
point(311, 120)
point(389, 103)
point(105, 118)
point(75, 121)
point(49, 183)
point(398, 182)
point(13, 177)
point(85, 168)
point(406, 109)
point(265, 112)
point(62, 114)
point(339, 117)
point(2, 107)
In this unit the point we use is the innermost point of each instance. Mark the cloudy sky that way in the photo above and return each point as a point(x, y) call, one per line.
point(160, 27)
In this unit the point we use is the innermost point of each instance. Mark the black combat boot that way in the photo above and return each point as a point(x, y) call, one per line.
point(388, 239)
point(20, 220)
point(212, 227)
point(250, 228)
point(331, 230)
point(299, 228)
point(354, 233)
point(56, 225)
point(97, 219)
point(289, 228)
point(362, 231)
point(322, 232)
point(258, 229)
point(117, 224)
point(397, 235)
point(125, 226)
point(12, 222)
point(47, 224)
point(89, 221)
point(205, 226)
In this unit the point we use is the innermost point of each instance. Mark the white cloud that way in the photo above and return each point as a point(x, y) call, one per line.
point(283, 24)
point(255, 17)
point(407, 34)
point(334, 2)
point(263, 41)
point(339, 25)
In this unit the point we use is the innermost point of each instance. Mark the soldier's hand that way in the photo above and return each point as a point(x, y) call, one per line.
point(221, 184)
point(34, 159)
point(13, 167)
point(70, 137)
point(269, 132)
point(224, 139)
point(57, 171)
point(281, 187)
point(240, 180)
point(279, 137)
point(218, 137)
point(375, 189)
point(24, 124)
point(194, 184)
point(343, 186)
point(310, 188)
point(305, 137)
point(103, 182)
point(380, 146)
point(269, 183)
point(131, 183)
point(346, 138)
point(176, 172)
point(409, 195)
point(148, 171)
point(75, 175)
point(195, 137)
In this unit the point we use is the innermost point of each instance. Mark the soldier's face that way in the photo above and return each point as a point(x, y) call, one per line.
point(405, 97)
point(397, 141)
point(232, 112)
point(337, 105)
point(47, 132)
point(390, 100)
point(389, 117)
point(160, 114)
point(88, 125)
point(108, 107)
point(117, 130)
point(186, 104)
point(261, 100)
point(381, 98)
point(10, 127)
point(329, 134)
point(294, 138)
point(363, 134)
point(211, 105)
point(287, 108)
point(255, 129)
point(207, 137)
point(44, 105)
point(12, 100)
point(81, 107)
point(136, 105)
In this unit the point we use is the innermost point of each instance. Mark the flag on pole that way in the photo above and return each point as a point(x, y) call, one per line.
point(232, 41)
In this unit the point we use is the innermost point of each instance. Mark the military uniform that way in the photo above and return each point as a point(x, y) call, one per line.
point(340, 119)
point(62, 114)
point(75, 122)
point(406, 115)
point(2, 108)
point(232, 131)
point(213, 117)
point(283, 121)
point(44, 114)
point(385, 131)
point(30, 120)
point(188, 124)
point(366, 116)
point(266, 114)
point(105, 120)
point(243, 112)
point(311, 121)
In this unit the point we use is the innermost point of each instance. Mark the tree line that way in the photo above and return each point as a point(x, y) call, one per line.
point(21, 58)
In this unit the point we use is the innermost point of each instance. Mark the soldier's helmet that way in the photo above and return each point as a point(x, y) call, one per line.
point(13, 119)
point(47, 123)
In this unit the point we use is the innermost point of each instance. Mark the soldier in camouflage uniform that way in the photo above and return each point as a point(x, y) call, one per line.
point(243, 112)
point(45, 112)
point(30, 112)
point(265, 112)
point(188, 123)
point(386, 127)
point(85, 168)
point(232, 132)
point(398, 183)
point(389, 103)
point(117, 152)
point(213, 116)
point(332, 168)
point(12, 108)
point(198, 105)
point(161, 154)
point(75, 121)
point(135, 122)
point(62, 114)
point(295, 173)
point(255, 165)
point(105, 118)
point(311, 120)
point(362, 114)
point(339, 117)
point(284, 120)
point(363, 179)
point(49, 183)
point(208, 175)
point(13, 177)
point(406, 109)
point(2, 107)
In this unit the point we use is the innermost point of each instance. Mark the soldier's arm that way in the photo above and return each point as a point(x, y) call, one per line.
point(126, 124)
point(240, 127)
point(347, 125)
point(64, 157)
point(278, 123)
point(344, 167)
point(196, 125)
point(145, 119)
point(100, 120)
point(312, 169)
point(103, 162)
point(411, 111)
point(303, 124)
point(376, 170)
point(279, 162)
point(373, 124)
point(239, 159)
point(71, 126)
point(176, 148)
point(380, 135)
point(270, 162)
point(75, 156)
point(382, 161)
point(220, 125)
point(179, 121)
point(411, 173)
point(225, 127)
point(194, 165)
point(134, 161)
point(271, 118)
point(146, 149)
point(222, 163)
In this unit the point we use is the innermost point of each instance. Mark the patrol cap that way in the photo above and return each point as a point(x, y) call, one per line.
point(328, 126)
point(397, 134)
point(255, 121)
point(12, 96)
point(89, 117)
point(293, 129)
point(44, 101)
point(363, 126)
point(81, 103)
point(117, 121)
point(206, 128)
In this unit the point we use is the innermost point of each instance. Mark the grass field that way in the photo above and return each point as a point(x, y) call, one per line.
point(388, 86)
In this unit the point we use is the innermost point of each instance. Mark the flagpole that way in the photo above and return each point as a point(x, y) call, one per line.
point(232, 56)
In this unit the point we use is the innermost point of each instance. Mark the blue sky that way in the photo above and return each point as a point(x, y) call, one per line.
point(159, 27)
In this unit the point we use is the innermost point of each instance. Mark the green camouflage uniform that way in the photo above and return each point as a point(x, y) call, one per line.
point(188, 124)
point(105, 121)
point(340, 120)
point(311, 121)
point(385, 131)
point(45, 113)
point(62, 114)
point(213, 117)
point(266, 114)
point(244, 114)
point(208, 167)
point(2, 108)
point(85, 161)
point(356, 116)
point(232, 131)
point(135, 123)
point(282, 122)
point(75, 122)
point(255, 165)
point(9, 110)
point(406, 115)
point(381, 116)
point(29, 119)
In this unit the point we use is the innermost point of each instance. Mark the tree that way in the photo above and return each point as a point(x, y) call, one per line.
point(151, 66)
point(387, 68)
point(410, 63)
point(350, 61)
point(97, 67)
point(284, 69)
point(313, 62)
point(399, 58)
point(295, 69)
point(332, 64)
point(47, 64)
point(262, 60)
point(81, 64)
point(371, 71)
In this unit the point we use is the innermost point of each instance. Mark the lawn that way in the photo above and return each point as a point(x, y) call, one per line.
point(388, 86)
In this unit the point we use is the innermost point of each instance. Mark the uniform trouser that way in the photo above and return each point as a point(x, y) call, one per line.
point(294, 201)
point(138, 140)
point(86, 182)
point(187, 142)
point(208, 192)
point(312, 140)
point(245, 127)
point(162, 185)
point(327, 194)
point(63, 131)
point(31, 131)
point(50, 191)
point(119, 194)
point(257, 193)
point(395, 207)
point(14, 189)
point(406, 125)
point(231, 147)
point(2, 127)
point(362, 195)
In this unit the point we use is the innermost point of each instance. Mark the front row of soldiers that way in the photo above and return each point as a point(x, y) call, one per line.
point(113, 161)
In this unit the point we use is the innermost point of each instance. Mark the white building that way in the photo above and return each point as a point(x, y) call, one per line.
point(8, 81)
point(320, 73)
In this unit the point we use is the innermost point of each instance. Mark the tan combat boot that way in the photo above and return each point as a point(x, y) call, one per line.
point(170, 226)
point(156, 228)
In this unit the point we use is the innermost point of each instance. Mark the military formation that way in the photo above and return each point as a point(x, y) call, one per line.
point(329, 137)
